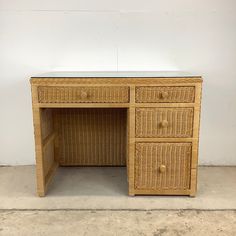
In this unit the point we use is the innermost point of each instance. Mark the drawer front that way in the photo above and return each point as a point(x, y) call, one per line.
point(163, 166)
point(112, 94)
point(164, 122)
point(165, 94)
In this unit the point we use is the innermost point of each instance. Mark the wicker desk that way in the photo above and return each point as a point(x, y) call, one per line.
point(147, 121)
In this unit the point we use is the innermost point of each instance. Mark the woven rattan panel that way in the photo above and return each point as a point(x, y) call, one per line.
point(47, 122)
point(92, 137)
point(58, 94)
point(164, 122)
point(165, 94)
point(150, 157)
point(47, 130)
point(48, 159)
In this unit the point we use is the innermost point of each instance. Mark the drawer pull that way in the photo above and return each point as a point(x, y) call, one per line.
point(164, 94)
point(162, 168)
point(164, 123)
point(84, 94)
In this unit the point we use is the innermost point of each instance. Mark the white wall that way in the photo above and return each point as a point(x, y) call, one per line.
point(40, 36)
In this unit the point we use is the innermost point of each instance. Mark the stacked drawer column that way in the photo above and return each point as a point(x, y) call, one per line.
point(166, 138)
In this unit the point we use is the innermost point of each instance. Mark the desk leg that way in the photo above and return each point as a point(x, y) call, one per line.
point(39, 152)
point(46, 149)
point(131, 142)
point(131, 155)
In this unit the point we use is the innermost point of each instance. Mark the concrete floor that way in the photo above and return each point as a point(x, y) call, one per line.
point(106, 188)
point(94, 201)
point(118, 223)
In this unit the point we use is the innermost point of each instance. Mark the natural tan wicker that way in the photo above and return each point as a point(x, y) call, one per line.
point(102, 128)
point(164, 166)
point(164, 122)
point(165, 94)
point(151, 125)
point(56, 94)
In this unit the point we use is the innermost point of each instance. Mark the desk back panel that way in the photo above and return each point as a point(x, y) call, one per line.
point(91, 136)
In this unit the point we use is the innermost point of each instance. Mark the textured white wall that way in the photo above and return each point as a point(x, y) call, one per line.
point(40, 36)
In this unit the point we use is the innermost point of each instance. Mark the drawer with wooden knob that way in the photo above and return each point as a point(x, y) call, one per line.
point(164, 94)
point(87, 94)
point(163, 166)
point(164, 122)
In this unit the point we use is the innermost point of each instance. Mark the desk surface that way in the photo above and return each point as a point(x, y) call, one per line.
point(116, 74)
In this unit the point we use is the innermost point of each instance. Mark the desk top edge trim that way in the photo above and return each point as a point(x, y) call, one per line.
point(119, 74)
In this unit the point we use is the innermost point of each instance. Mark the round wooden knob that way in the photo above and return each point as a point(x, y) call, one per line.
point(162, 168)
point(84, 94)
point(164, 123)
point(164, 94)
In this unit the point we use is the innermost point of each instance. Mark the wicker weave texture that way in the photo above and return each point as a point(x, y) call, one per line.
point(48, 158)
point(149, 124)
point(92, 137)
point(175, 157)
point(165, 94)
point(47, 131)
point(58, 94)
point(178, 122)
point(47, 122)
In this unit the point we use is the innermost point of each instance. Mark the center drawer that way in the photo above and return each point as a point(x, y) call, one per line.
point(85, 94)
point(164, 122)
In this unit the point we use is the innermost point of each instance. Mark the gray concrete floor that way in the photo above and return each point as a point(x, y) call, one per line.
point(118, 223)
point(94, 201)
point(106, 188)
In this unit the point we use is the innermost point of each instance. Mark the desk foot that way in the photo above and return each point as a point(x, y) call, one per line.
point(131, 193)
point(41, 194)
point(192, 194)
